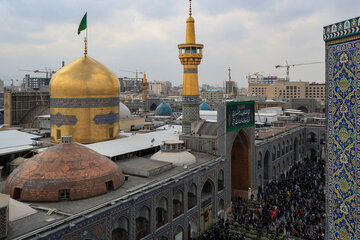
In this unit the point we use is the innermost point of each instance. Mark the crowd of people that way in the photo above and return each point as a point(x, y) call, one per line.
point(293, 205)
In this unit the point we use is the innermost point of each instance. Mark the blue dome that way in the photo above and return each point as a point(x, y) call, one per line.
point(163, 110)
point(205, 106)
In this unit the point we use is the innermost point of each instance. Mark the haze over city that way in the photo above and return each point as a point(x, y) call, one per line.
point(248, 36)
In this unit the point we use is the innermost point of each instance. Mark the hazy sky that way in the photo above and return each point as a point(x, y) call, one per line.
point(249, 36)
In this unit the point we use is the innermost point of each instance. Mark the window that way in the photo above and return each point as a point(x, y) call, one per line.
point(64, 194)
point(58, 134)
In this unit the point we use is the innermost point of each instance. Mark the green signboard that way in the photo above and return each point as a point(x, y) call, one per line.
point(239, 115)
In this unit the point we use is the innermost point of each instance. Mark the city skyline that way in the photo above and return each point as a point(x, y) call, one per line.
point(143, 35)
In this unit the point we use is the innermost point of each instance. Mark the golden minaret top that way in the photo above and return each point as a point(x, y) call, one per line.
point(190, 28)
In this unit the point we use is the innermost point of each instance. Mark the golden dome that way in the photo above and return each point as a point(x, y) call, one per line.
point(84, 78)
point(84, 102)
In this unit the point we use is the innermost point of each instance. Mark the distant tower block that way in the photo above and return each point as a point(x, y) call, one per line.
point(190, 55)
point(342, 54)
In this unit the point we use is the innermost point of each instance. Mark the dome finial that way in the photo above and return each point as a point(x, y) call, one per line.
point(190, 8)
point(85, 49)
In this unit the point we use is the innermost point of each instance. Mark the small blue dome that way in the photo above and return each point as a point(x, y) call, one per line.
point(163, 110)
point(205, 106)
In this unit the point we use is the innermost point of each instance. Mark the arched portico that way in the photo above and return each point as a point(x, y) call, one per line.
point(241, 165)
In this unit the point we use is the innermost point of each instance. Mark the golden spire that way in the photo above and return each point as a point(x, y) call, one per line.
point(190, 8)
point(190, 28)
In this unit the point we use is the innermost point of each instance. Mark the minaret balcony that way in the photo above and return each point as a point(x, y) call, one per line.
point(190, 60)
point(190, 55)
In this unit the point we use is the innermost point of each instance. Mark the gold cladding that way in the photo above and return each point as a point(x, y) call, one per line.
point(85, 78)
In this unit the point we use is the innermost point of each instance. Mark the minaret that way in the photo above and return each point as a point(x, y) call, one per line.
point(144, 87)
point(190, 55)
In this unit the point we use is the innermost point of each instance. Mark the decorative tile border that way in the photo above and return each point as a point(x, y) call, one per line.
point(190, 70)
point(83, 102)
point(191, 99)
point(342, 29)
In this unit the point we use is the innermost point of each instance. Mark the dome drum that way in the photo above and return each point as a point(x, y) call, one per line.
point(64, 172)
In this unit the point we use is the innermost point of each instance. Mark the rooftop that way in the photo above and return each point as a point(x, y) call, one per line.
point(273, 131)
point(67, 211)
point(137, 142)
point(12, 141)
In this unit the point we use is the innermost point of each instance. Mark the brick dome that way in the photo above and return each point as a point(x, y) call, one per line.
point(65, 171)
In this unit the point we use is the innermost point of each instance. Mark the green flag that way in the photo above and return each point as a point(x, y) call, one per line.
point(83, 24)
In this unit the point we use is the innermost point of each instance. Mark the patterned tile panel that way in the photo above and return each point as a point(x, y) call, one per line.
point(343, 140)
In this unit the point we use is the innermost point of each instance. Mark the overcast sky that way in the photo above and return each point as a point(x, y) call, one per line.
point(249, 36)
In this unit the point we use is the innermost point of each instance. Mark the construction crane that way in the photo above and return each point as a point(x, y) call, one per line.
point(287, 66)
point(48, 72)
point(250, 75)
point(136, 73)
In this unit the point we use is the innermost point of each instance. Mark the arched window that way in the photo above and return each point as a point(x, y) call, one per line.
point(279, 169)
point(291, 144)
point(178, 204)
point(287, 146)
point(283, 148)
point(162, 213)
point(121, 229)
point(221, 204)
point(143, 222)
point(179, 233)
point(221, 181)
point(274, 153)
point(311, 138)
point(287, 163)
point(283, 166)
point(274, 172)
point(303, 137)
point(259, 161)
point(192, 199)
point(207, 190)
point(322, 139)
point(260, 180)
point(278, 151)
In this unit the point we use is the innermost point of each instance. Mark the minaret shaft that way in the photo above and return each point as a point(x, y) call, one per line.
point(190, 55)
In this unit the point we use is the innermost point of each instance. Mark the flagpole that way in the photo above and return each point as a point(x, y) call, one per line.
point(85, 41)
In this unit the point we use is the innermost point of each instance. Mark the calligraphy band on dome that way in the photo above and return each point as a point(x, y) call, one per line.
point(190, 70)
point(60, 119)
point(83, 102)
